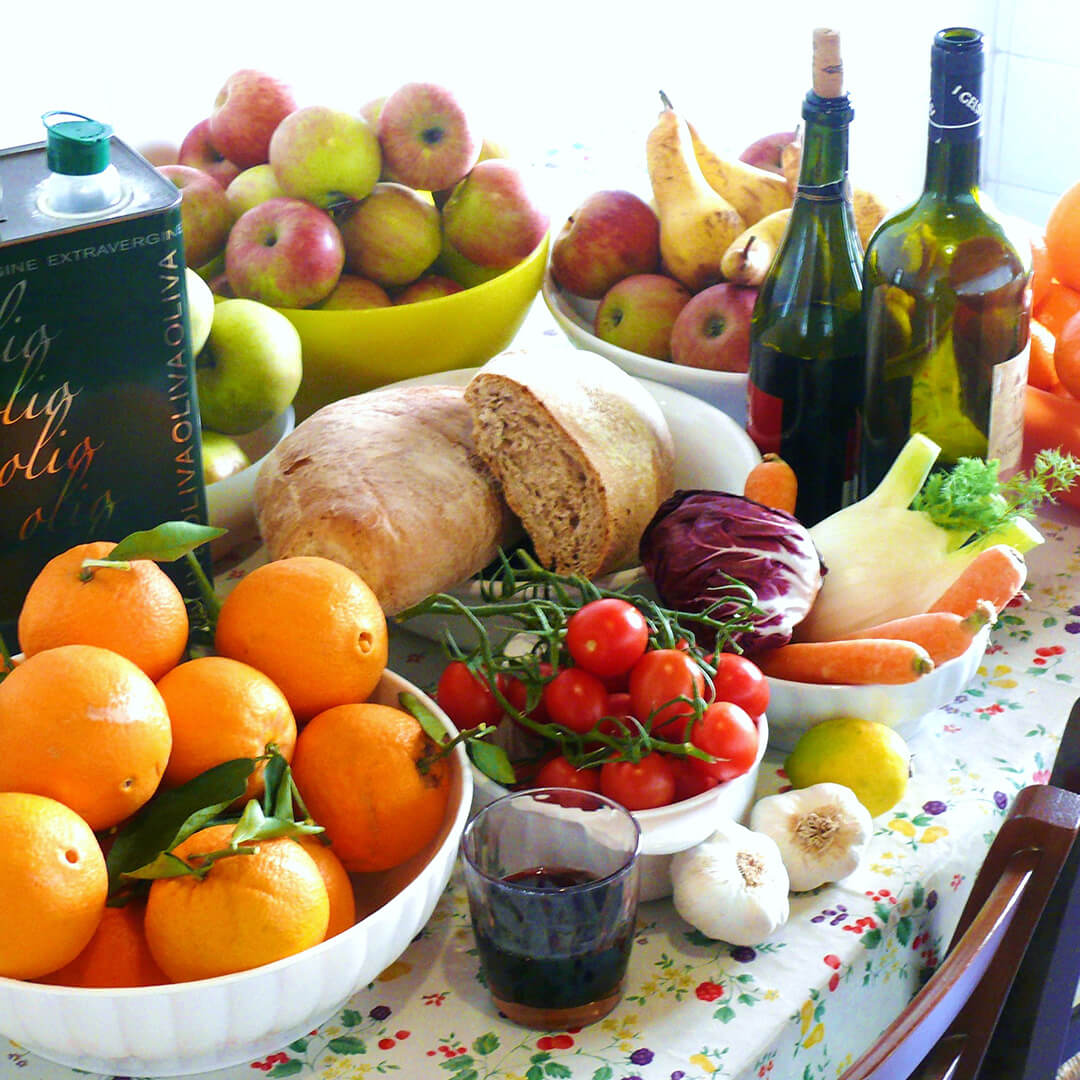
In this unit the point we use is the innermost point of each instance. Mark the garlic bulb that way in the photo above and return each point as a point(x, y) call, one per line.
point(732, 886)
point(822, 832)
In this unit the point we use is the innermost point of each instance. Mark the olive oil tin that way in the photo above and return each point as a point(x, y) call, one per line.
point(99, 425)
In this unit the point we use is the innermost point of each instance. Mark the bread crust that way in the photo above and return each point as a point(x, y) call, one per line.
point(389, 484)
point(582, 451)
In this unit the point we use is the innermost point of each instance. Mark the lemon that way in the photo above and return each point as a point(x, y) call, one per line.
point(868, 757)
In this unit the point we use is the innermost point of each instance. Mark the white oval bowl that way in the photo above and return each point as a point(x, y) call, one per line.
point(230, 501)
point(576, 315)
point(210, 1024)
point(668, 829)
point(796, 707)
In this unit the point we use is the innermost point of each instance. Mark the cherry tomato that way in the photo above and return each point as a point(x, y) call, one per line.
point(575, 699)
point(729, 734)
point(639, 785)
point(558, 772)
point(606, 637)
point(517, 693)
point(688, 781)
point(740, 681)
point(659, 677)
point(466, 698)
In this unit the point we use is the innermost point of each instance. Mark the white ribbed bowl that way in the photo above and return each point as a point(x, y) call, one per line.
point(214, 1023)
point(796, 707)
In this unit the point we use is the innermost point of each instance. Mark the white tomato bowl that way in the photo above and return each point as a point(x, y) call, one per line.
point(668, 829)
point(195, 1027)
point(796, 707)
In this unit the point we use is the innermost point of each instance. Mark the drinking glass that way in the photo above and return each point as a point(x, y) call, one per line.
point(552, 877)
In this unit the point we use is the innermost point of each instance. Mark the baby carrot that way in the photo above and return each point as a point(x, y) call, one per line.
point(943, 634)
point(772, 482)
point(996, 574)
point(848, 661)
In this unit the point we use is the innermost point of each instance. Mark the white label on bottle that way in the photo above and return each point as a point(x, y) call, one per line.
point(1007, 410)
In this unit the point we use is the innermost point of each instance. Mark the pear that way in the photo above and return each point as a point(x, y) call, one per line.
point(696, 223)
point(755, 193)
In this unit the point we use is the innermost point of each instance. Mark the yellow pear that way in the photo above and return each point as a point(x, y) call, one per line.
point(755, 193)
point(696, 223)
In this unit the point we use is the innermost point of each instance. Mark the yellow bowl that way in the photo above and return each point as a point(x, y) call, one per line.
point(349, 352)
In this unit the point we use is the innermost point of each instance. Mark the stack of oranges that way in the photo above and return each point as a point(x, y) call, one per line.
point(104, 710)
point(1055, 284)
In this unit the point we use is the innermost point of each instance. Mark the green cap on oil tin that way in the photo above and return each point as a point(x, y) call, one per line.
point(76, 146)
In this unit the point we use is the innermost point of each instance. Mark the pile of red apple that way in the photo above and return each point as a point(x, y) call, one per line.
point(608, 251)
point(314, 206)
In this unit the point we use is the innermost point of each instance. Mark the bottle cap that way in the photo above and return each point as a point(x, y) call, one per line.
point(956, 75)
point(76, 146)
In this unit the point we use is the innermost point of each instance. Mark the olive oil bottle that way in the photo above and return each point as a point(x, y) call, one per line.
point(806, 336)
point(946, 295)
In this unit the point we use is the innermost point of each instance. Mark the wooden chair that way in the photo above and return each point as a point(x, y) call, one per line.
point(946, 1029)
point(1040, 1023)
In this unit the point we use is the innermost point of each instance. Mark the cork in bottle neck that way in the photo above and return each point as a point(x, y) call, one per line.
point(828, 74)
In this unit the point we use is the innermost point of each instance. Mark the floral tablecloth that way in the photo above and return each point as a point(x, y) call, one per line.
point(802, 1004)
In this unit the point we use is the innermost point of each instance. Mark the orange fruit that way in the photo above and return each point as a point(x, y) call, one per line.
point(1067, 356)
point(85, 726)
point(356, 769)
point(338, 884)
point(53, 884)
point(1041, 272)
point(314, 626)
point(138, 613)
point(248, 910)
point(1063, 237)
point(1059, 305)
point(222, 709)
point(117, 954)
point(1041, 373)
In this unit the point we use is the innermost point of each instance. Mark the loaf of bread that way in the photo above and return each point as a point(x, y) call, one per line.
point(387, 483)
point(582, 451)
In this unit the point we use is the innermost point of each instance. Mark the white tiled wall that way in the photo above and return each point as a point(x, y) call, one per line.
point(1032, 137)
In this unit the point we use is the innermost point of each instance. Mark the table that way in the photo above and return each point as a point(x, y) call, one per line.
point(802, 1004)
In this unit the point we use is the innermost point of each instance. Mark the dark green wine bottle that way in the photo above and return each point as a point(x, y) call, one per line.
point(946, 296)
point(806, 335)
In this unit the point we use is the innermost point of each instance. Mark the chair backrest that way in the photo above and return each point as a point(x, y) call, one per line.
point(945, 1030)
point(1040, 1004)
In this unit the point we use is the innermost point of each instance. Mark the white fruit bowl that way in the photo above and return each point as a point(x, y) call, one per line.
point(669, 829)
point(575, 316)
point(213, 1023)
point(795, 707)
point(229, 501)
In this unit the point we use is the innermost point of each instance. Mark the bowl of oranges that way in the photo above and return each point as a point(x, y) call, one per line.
point(197, 862)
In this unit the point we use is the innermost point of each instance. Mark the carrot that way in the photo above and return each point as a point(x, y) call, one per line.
point(848, 661)
point(1052, 422)
point(996, 574)
point(772, 482)
point(943, 634)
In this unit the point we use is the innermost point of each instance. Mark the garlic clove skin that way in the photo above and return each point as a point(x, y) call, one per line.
point(732, 886)
point(822, 832)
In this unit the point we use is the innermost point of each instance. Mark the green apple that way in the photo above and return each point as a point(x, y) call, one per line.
point(325, 155)
point(250, 369)
point(453, 264)
point(200, 302)
point(222, 456)
point(392, 236)
point(251, 187)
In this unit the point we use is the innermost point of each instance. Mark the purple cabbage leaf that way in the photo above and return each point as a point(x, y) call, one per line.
point(699, 540)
